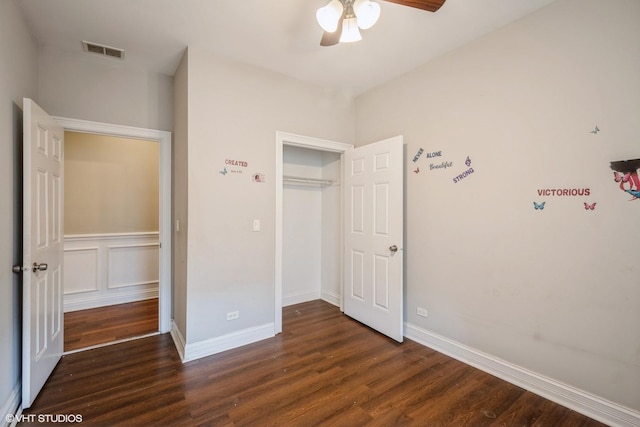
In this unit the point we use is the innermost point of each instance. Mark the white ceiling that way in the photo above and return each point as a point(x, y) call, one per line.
point(281, 35)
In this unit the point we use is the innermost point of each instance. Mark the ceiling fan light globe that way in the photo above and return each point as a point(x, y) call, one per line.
point(329, 16)
point(350, 31)
point(367, 13)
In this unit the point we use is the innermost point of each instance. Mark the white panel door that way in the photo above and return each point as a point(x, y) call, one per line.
point(373, 225)
point(42, 313)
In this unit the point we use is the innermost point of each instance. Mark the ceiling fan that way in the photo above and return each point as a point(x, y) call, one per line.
point(342, 20)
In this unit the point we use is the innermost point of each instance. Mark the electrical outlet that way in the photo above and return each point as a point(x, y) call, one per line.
point(422, 312)
point(233, 315)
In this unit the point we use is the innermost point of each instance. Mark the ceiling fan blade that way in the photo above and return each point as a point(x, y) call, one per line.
point(428, 5)
point(330, 39)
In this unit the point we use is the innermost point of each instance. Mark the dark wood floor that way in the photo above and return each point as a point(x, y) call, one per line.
point(86, 328)
point(324, 369)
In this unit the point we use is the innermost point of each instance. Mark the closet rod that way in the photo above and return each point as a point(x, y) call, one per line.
point(304, 180)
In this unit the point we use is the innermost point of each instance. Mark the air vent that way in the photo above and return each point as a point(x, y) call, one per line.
point(112, 52)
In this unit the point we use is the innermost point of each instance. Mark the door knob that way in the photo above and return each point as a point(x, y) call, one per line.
point(393, 248)
point(39, 267)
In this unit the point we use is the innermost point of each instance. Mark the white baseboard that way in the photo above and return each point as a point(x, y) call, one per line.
point(178, 339)
point(563, 394)
point(299, 297)
point(211, 346)
point(12, 405)
point(331, 298)
point(95, 301)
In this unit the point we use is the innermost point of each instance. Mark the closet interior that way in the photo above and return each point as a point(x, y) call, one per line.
point(311, 212)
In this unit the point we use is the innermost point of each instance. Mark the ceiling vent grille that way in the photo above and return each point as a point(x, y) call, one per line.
point(112, 52)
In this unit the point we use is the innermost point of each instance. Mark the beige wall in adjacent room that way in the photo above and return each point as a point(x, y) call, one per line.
point(111, 184)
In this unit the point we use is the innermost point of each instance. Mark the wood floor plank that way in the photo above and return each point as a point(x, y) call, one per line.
point(86, 328)
point(325, 369)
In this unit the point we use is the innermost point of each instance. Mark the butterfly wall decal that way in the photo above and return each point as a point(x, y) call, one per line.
point(595, 130)
point(224, 171)
point(618, 177)
point(588, 206)
point(417, 170)
point(468, 161)
point(538, 206)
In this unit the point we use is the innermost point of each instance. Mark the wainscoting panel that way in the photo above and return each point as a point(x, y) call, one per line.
point(82, 276)
point(107, 269)
point(132, 265)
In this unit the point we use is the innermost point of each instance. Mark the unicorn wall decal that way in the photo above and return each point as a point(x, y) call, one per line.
point(625, 172)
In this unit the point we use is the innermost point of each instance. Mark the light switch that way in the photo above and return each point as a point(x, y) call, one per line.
point(256, 225)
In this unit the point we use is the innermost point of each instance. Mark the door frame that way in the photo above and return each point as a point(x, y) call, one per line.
point(282, 139)
point(165, 221)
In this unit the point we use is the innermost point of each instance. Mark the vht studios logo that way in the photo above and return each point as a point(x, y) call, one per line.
point(44, 418)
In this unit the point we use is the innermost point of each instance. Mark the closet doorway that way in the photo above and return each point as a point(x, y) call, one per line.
point(308, 221)
point(372, 190)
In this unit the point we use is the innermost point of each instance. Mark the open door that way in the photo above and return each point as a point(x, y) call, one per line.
point(42, 312)
point(373, 227)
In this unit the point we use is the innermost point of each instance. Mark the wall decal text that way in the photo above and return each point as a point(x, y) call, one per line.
point(442, 165)
point(417, 156)
point(465, 173)
point(234, 166)
point(564, 192)
point(240, 163)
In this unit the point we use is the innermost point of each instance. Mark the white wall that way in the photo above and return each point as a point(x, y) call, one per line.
point(180, 193)
point(555, 291)
point(302, 231)
point(331, 281)
point(18, 79)
point(234, 111)
point(83, 86)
